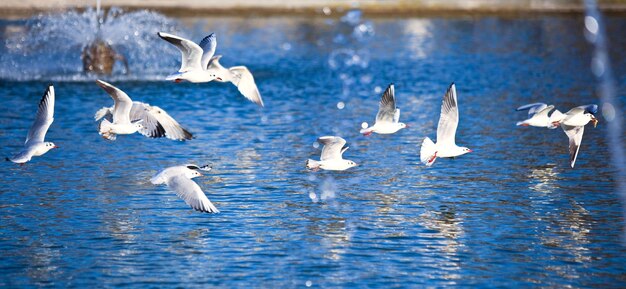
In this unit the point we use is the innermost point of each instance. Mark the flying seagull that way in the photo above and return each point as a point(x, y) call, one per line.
point(331, 158)
point(538, 115)
point(388, 116)
point(179, 179)
point(446, 130)
point(128, 117)
point(35, 145)
point(200, 64)
point(573, 123)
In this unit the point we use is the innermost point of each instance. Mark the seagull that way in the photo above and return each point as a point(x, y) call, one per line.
point(128, 117)
point(538, 115)
point(573, 124)
point(178, 179)
point(199, 64)
point(331, 155)
point(388, 115)
point(35, 145)
point(446, 130)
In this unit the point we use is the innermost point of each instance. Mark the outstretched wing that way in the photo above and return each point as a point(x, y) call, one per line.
point(191, 52)
point(333, 147)
point(44, 117)
point(532, 108)
point(449, 118)
point(387, 106)
point(242, 78)
point(157, 123)
point(208, 45)
point(191, 193)
point(575, 135)
point(123, 103)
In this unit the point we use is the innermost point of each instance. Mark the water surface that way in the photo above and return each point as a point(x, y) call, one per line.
point(511, 214)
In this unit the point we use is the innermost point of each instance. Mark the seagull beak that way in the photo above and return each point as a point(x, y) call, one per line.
point(55, 147)
point(199, 173)
point(219, 78)
point(470, 151)
point(594, 121)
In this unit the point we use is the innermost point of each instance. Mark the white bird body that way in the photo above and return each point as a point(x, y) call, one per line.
point(331, 158)
point(388, 116)
point(200, 64)
point(446, 132)
point(35, 145)
point(573, 124)
point(150, 121)
point(179, 179)
point(538, 115)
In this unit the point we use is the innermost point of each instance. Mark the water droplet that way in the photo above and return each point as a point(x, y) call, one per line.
point(591, 24)
point(378, 89)
point(364, 125)
point(608, 111)
point(597, 66)
point(341, 105)
point(327, 11)
point(328, 188)
point(316, 145)
point(353, 17)
point(313, 197)
point(286, 46)
point(308, 283)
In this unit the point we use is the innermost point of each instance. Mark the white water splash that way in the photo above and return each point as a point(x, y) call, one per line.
point(49, 46)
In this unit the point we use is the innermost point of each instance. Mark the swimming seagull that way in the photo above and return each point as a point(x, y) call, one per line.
point(388, 115)
point(573, 123)
point(35, 145)
point(200, 65)
point(128, 117)
point(331, 158)
point(538, 115)
point(446, 130)
point(179, 179)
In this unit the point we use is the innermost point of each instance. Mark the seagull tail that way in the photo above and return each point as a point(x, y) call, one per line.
point(428, 152)
point(312, 164)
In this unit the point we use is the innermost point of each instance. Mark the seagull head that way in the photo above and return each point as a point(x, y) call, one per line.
point(352, 164)
point(192, 174)
point(594, 120)
point(138, 124)
point(50, 145)
point(466, 150)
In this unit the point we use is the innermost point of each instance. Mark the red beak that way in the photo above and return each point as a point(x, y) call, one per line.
point(219, 78)
point(55, 147)
point(471, 151)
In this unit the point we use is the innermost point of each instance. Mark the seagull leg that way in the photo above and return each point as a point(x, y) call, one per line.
point(367, 133)
point(432, 159)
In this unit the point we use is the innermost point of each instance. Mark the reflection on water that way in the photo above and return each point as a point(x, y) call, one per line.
point(511, 214)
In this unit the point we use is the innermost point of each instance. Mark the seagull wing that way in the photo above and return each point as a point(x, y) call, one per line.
point(544, 112)
point(214, 63)
point(387, 106)
point(44, 117)
point(449, 119)
point(242, 78)
point(575, 135)
point(191, 193)
point(533, 107)
point(157, 123)
point(191, 52)
point(123, 103)
point(208, 45)
point(333, 147)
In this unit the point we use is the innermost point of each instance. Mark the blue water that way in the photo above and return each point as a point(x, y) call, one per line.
point(510, 214)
